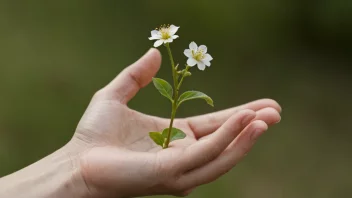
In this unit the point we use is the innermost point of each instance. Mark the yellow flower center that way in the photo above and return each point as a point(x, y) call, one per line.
point(199, 55)
point(164, 31)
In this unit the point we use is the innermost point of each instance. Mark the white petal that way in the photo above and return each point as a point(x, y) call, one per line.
point(201, 66)
point(168, 40)
point(154, 33)
point(193, 46)
point(191, 62)
point(207, 57)
point(203, 48)
point(173, 29)
point(207, 63)
point(174, 37)
point(154, 38)
point(188, 53)
point(158, 43)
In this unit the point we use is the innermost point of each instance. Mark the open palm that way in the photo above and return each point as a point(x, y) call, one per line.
point(120, 160)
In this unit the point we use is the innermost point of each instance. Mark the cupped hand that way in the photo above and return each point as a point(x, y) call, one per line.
point(118, 159)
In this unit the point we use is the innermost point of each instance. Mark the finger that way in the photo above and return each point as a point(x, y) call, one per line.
point(227, 160)
point(269, 115)
point(208, 123)
point(125, 86)
point(206, 150)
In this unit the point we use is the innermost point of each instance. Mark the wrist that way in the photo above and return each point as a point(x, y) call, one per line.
point(57, 175)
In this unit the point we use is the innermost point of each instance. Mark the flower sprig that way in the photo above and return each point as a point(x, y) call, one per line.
point(196, 56)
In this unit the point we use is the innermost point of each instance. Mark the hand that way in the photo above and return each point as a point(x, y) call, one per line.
point(117, 158)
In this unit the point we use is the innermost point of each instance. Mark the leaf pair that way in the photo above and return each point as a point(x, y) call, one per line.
point(160, 138)
point(166, 90)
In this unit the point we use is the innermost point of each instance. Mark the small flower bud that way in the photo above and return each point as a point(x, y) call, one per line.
point(181, 72)
point(187, 74)
point(176, 67)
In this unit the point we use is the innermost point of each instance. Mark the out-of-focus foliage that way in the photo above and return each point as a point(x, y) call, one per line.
point(55, 54)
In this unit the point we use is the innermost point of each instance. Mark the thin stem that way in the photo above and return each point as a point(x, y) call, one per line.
point(183, 76)
point(173, 114)
point(174, 103)
point(174, 72)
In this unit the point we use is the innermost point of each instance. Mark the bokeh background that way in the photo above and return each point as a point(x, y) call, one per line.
point(55, 54)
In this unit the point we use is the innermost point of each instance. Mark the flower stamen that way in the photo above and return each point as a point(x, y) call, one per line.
point(199, 55)
point(164, 31)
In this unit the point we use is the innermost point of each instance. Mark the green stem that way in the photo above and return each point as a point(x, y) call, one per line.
point(183, 76)
point(174, 102)
point(174, 72)
point(173, 114)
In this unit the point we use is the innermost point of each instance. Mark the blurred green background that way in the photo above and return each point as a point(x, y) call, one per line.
point(55, 54)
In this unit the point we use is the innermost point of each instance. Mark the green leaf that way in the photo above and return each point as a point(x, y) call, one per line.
point(157, 138)
point(190, 95)
point(163, 87)
point(176, 134)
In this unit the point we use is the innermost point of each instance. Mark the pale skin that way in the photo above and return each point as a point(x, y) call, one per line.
point(111, 155)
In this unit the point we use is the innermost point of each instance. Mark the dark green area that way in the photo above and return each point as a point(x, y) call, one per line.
point(55, 54)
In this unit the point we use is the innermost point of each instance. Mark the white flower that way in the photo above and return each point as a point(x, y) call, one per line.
point(198, 55)
point(165, 34)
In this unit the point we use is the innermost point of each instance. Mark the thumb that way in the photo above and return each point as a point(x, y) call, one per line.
point(136, 76)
